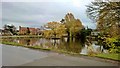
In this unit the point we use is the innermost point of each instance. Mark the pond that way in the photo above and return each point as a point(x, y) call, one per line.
point(74, 46)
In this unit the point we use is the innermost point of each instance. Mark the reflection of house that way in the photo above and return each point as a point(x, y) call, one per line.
point(27, 30)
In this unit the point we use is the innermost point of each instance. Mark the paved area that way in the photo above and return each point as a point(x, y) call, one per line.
point(19, 56)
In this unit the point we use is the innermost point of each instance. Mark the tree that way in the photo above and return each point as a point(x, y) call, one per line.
point(107, 15)
point(84, 33)
point(56, 29)
point(47, 33)
point(28, 31)
point(72, 25)
point(10, 29)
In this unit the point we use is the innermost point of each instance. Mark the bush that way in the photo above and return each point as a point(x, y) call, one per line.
point(112, 44)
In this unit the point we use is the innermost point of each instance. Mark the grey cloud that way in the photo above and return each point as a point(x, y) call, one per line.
point(39, 13)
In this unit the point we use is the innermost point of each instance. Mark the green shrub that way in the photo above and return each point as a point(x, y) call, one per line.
point(112, 44)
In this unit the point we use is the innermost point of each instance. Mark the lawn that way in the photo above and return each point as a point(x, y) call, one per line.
point(112, 56)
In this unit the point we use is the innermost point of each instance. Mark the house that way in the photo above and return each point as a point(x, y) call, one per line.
point(28, 30)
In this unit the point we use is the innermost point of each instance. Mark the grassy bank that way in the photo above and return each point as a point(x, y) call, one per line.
point(22, 36)
point(109, 56)
point(105, 56)
point(31, 47)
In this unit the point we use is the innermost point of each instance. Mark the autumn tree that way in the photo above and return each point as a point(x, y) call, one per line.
point(72, 25)
point(55, 29)
point(47, 33)
point(107, 16)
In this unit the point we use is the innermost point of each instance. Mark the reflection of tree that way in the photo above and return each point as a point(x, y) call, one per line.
point(71, 46)
point(59, 44)
point(28, 41)
point(7, 39)
point(90, 50)
point(54, 42)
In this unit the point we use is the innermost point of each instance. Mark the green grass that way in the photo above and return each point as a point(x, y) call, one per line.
point(38, 48)
point(31, 47)
point(112, 56)
point(23, 36)
point(12, 43)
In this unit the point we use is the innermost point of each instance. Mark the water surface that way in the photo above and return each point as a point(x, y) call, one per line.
point(74, 46)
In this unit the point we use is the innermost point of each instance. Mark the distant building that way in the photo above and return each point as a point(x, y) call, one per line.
point(27, 30)
point(95, 32)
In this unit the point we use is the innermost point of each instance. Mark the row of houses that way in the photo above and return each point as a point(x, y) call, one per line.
point(28, 30)
point(34, 31)
point(22, 31)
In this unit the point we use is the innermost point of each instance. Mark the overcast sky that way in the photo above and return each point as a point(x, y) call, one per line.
point(36, 14)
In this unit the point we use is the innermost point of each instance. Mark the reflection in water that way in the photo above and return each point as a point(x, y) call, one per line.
point(74, 46)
